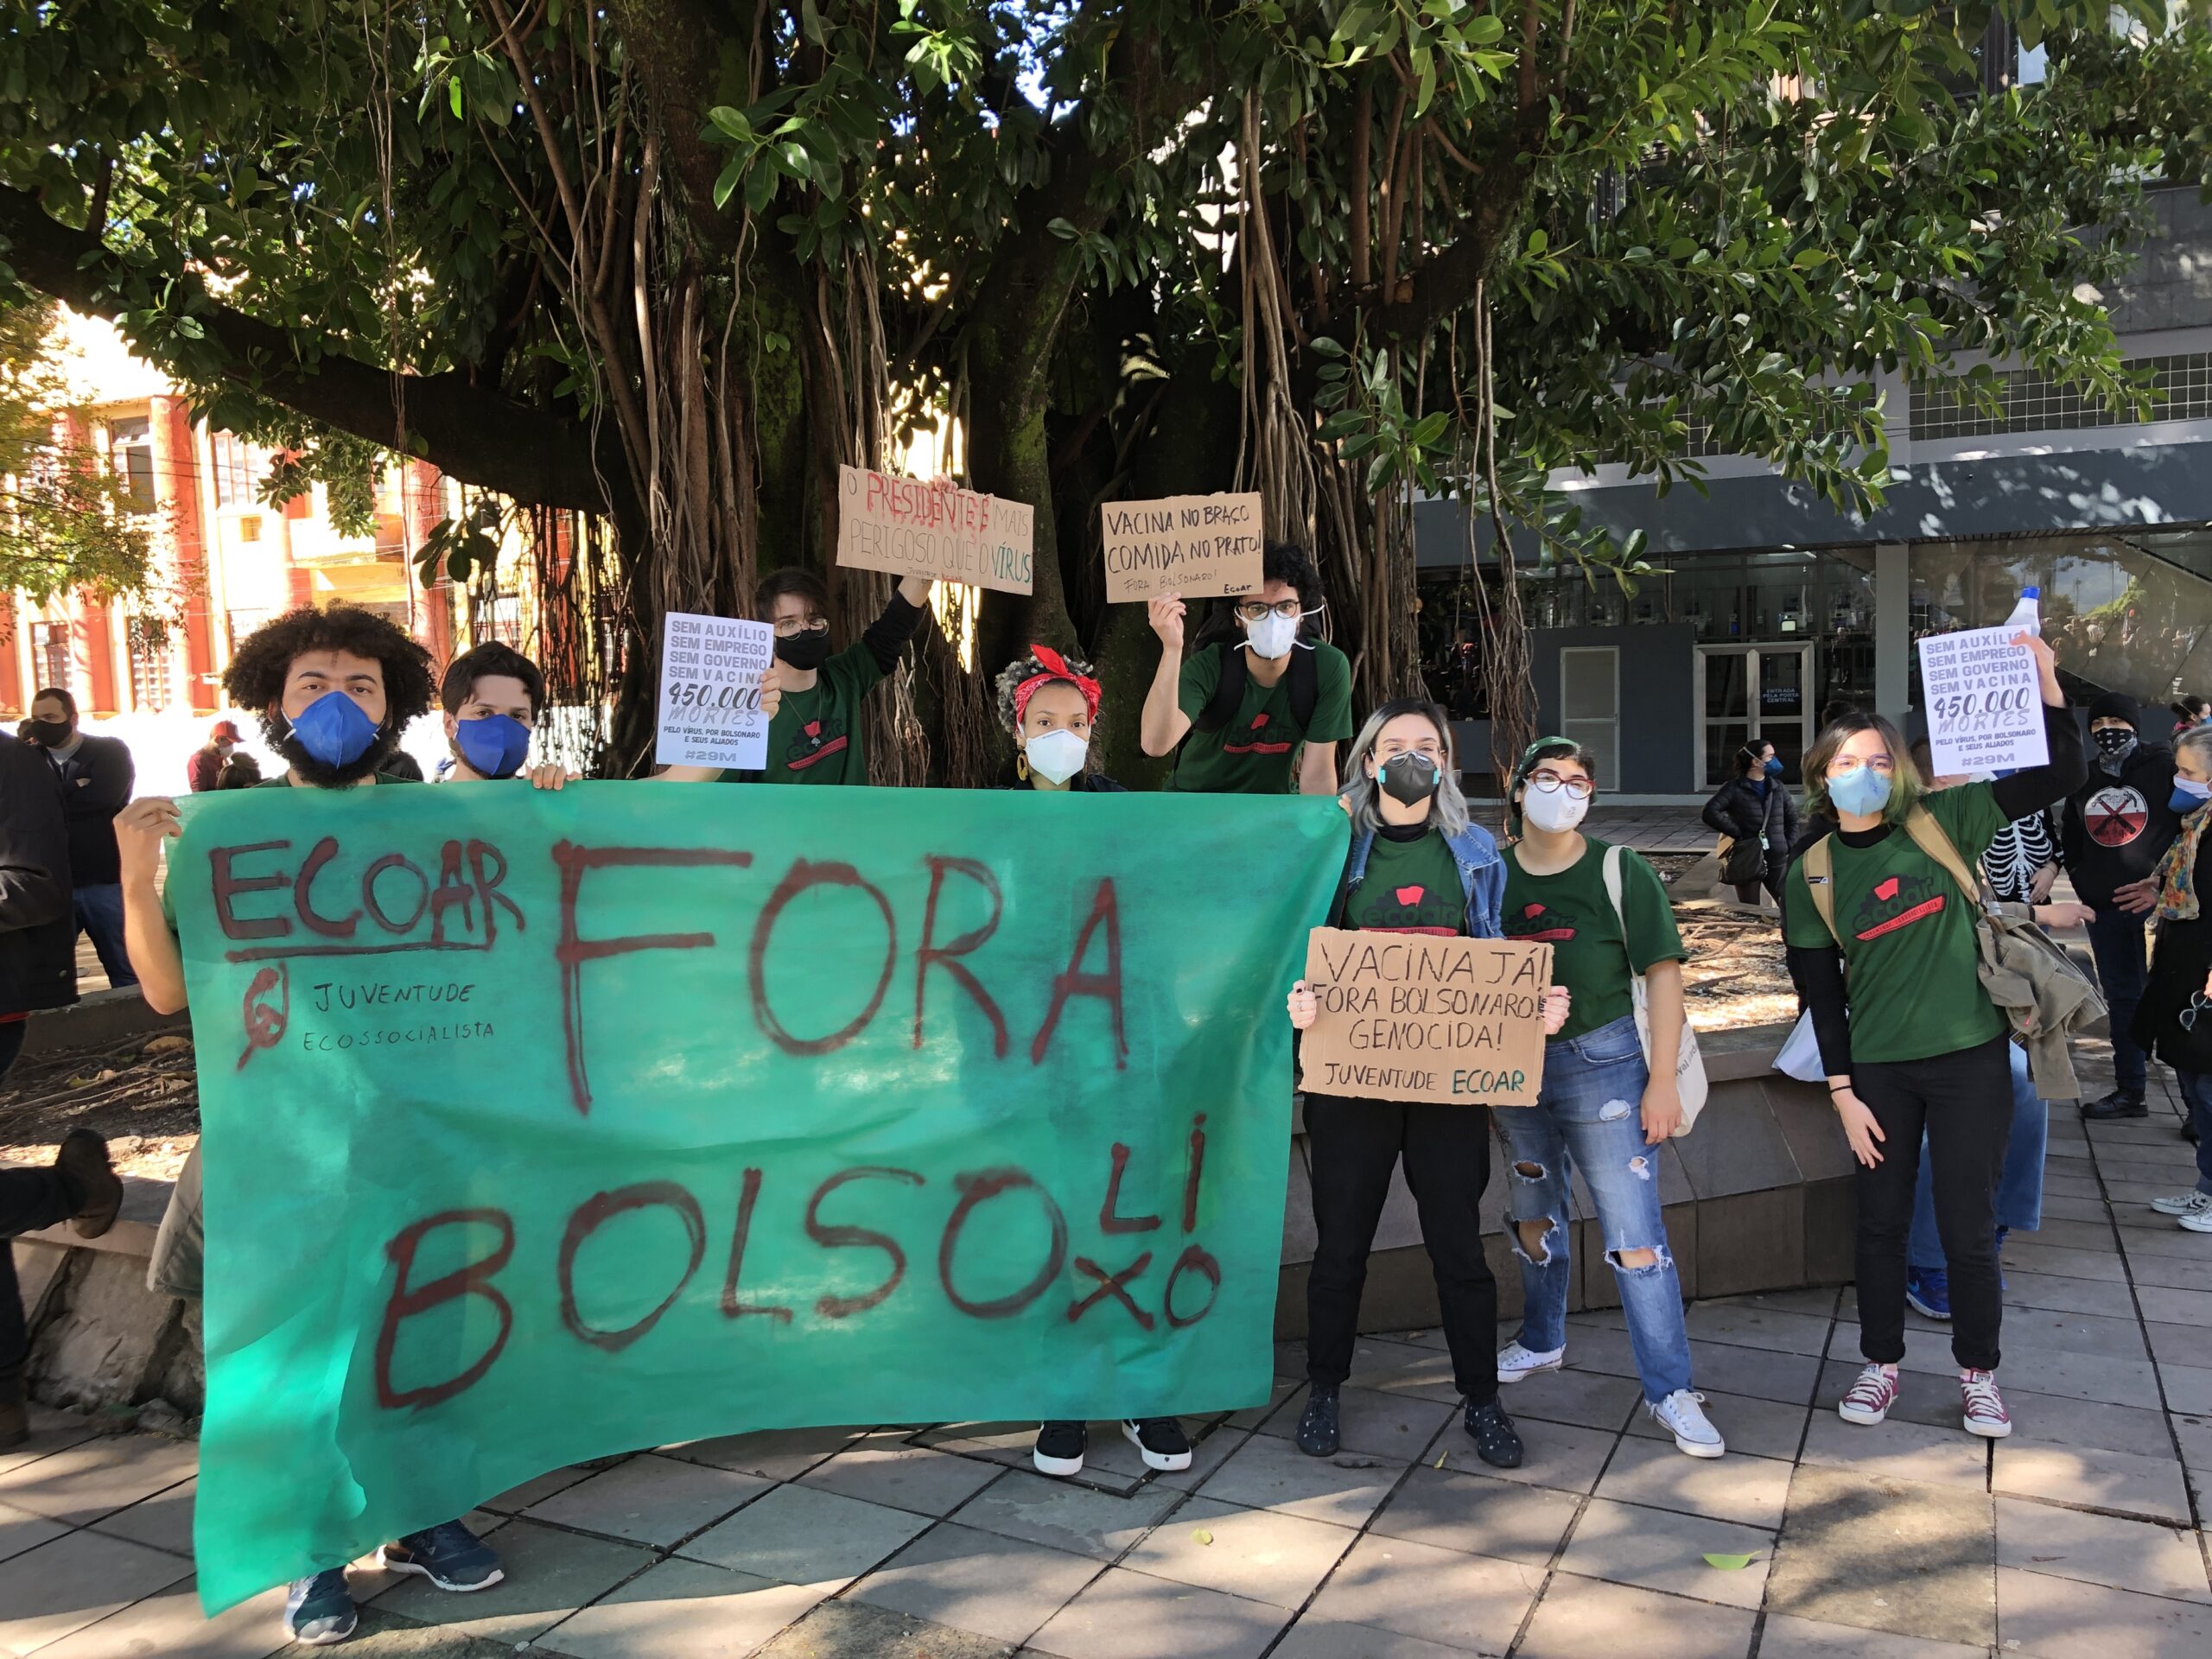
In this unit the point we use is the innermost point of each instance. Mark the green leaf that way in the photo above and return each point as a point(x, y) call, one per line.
point(731, 122)
point(1539, 239)
point(453, 96)
point(1320, 345)
point(1430, 429)
point(1730, 1563)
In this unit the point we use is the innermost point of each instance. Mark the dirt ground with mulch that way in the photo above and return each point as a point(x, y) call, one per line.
point(144, 1096)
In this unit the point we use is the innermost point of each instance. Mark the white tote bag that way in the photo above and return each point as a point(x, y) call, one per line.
point(1689, 1065)
point(1801, 1054)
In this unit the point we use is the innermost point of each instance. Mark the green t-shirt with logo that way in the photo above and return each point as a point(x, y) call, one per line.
point(1910, 967)
point(815, 737)
point(1257, 753)
point(1571, 912)
point(1411, 887)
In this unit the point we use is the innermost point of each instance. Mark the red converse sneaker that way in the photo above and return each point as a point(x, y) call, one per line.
point(1985, 1407)
point(1870, 1397)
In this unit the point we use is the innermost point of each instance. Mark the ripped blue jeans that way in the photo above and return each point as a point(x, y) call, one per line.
point(1589, 1113)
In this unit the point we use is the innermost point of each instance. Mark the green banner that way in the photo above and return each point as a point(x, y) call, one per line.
point(541, 1127)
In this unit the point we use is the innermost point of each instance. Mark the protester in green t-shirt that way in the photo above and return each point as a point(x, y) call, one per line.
point(812, 695)
point(1923, 1051)
point(1605, 1106)
point(1417, 864)
point(335, 689)
point(1272, 727)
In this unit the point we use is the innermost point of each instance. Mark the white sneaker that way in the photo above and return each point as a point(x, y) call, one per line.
point(2199, 1223)
point(1515, 1361)
point(2184, 1203)
point(1682, 1414)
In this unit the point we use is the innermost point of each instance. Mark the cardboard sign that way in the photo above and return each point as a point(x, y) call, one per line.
point(1984, 702)
point(1416, 1016)
point(662, 1114)
point(710, 670)
point(912, 528)
point(1198, 546)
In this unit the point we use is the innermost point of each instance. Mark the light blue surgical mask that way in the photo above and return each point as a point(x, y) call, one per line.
point(2188, 796)
point(334, 730)
point(1862, 793)
point(495, 746)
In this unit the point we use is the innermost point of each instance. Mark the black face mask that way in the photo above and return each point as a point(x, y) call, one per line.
point(805, 651)
point(2115, 741)
point(1410, 778)
point(50, 734)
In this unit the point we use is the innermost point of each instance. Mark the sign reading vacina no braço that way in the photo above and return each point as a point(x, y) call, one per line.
point(539, 1127)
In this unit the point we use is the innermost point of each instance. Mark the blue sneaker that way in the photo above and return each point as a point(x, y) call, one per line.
point(449, 1555)
point(1929, 1290)
point(319, 1609)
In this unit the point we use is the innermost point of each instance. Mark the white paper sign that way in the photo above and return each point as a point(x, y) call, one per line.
point(710, 670)
point(1984, 703)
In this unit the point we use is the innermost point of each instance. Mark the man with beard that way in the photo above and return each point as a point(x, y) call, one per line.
point(335, 689)
point(811, 694)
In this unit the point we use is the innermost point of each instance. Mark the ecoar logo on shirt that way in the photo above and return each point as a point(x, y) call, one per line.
point(813, 744)
point(1541, 924)
point(1417, 909)
point(1898, 903)
point(1252, 745)
point(2115, 814)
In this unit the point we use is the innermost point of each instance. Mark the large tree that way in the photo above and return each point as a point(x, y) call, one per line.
point(670, 262)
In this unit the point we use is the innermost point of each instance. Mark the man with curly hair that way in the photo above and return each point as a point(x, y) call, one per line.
point(334, 690)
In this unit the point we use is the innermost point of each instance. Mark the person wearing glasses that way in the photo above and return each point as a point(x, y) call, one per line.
point(813, 694)
point(2174, 1019)
point(1603, 1109)
point(1261, 716)
point(1911, 1042)
point(1418, 864)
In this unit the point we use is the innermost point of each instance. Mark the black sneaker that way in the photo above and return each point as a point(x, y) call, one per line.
point(2119, 1103)
point(1496, 1441)
point(449, 1555)
point(1059, 1448)
point(1161, 1440)
point(1317, 1435)
point(83, 1159)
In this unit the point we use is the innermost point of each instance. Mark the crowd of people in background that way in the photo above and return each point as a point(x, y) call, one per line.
point(1931, 1093)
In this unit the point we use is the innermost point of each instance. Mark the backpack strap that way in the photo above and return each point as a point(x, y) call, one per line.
point(1305, 684)
point(1928, 834)
point(1817, 870)
point(1228, 690)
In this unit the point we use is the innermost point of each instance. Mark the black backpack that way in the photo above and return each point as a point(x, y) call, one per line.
point(1229, 694)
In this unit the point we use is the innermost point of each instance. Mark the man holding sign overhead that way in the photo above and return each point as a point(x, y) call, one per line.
point(1418, 866)
point(1261, 717)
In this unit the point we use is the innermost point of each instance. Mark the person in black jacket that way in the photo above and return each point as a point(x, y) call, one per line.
point(2117, 829)
point(38, 970)
point(97, 777)
point(2174, 1019)
point(1756, 805)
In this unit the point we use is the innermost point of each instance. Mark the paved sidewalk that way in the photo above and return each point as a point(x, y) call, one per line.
point(2077, 1539)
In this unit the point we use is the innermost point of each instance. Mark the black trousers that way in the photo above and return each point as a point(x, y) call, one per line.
point(1354, 1144)
point(29, 1199)
point(1747, 893)
point(1964, 1103)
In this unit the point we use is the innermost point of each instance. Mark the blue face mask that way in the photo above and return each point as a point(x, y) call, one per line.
point(495, 746)
point(2188, 797)
point(1862, 793)
point(334, 730)
point(1774, 766)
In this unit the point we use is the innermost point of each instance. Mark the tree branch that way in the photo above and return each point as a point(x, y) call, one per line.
point(476, 435)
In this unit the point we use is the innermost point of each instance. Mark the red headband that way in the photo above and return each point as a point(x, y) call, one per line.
point(1056, 668)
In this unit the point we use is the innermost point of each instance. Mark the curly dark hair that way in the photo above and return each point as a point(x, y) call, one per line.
point(255, 678)
point(1027, 667)
point(491, 660)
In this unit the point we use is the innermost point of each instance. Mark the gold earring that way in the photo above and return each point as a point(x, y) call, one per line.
point(1022, 766)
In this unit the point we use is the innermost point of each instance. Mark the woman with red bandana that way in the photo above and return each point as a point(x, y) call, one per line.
point(1051, 702)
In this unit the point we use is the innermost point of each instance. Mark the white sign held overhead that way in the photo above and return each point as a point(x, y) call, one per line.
point(1984, 703)
point(710, 670)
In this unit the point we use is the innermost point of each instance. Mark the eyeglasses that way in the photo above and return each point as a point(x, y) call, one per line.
point(2197, 1004)
point(1844, 764)
point(790, 627)
point(1253, 610)
point(1551, 783)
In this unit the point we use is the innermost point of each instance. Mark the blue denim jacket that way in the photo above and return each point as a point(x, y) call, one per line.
point(1482, 873)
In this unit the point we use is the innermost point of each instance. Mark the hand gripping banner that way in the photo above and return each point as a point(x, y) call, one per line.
point(539, 1127)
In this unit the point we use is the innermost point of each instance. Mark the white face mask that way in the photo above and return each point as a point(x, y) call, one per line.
point(1056, 756)
point(1551, 811)
point(1272, 636)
